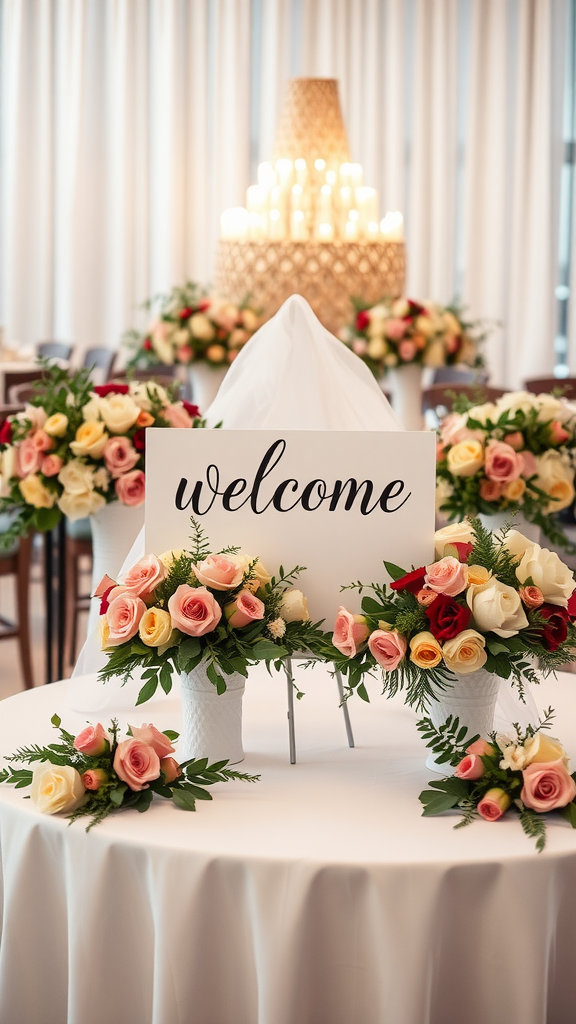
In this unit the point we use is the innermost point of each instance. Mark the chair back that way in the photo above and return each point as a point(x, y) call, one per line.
point(544, 385)
point(19, 394)
point(440, 398)
point(14, 377)
point(54, 350)
point(100, 361)
point(453, 375)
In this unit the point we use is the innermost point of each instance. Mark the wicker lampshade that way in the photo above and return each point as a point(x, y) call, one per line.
point(311, 124)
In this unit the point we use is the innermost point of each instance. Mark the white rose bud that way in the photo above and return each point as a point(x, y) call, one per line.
point(548, 572)
point(294, 607)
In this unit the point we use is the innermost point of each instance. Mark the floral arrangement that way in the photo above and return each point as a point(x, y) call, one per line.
point(514, 454)
point(193, 326)
point(96, 773)
point(184, 608)
point(487, 601)
point(527, 772)
point(76, 447)
point(396, 332)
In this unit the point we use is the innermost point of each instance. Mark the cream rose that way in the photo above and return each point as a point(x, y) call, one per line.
point(155, 627)
point(161, 336)
point(556, 478)
point(34, 492)
point(294, 607)
point(483, 413)
point(144, 392)
point(466, 458)
point(80, 504)
point(56, 788)
point(548, 573)
point(455, 533)
point(434, 353)
point(516, 401)
point(56, 425)
point(465, 653)
point(119, 412)
point(514, 491)
point(90, 440)
point(201, 327)
point(377, 348)
point(549, 408)
point(76, 477)
point(496, 608)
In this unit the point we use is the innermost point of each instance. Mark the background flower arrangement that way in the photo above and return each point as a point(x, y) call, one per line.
point(76, 447)
point(396, 332)
point(514, 454)
point(192, 326)
point(487, 602)
point(185, 608)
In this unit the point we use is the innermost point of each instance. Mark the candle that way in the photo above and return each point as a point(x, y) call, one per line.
point(298, 229)
point(284, 170)
point(356, 175)
point(297, 197)
point(300, 169)
point(276, 227)
point(256, 199)
point(256, 226)
point(331, 177)
point(392, 226)
point(373, 230)
point(266, 175)
point(234, 223)
point(345, 174)
point(319, 164)
point(325, 232)
point(351, 229)
point(367, 203)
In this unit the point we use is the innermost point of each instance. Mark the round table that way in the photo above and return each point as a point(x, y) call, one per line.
point(317, 896)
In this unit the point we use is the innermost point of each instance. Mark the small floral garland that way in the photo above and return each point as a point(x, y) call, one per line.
point(527, 772)
point(95, 773)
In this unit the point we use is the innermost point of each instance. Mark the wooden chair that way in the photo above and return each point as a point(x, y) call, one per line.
point(544, 385)
point(19, 394)
point(54, 350)
point(78, 545)
point(16, 562)
point(440, 397)
point(12, 378)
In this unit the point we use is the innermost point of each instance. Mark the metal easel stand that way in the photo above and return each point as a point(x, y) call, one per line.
point(290, 686)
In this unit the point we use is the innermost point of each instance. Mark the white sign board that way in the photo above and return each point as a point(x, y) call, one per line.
point(336, 502)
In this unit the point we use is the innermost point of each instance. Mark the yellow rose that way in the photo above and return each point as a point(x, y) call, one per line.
point(201, 327)
point(514, 490)
point(425, 651)
point(80, 504)
point(377, 348)
point(465, 458)
point(434, 353)
point(34, 492)
point(452, 324)
point(170, 556)
point(90, 440)
point(541, 748)
point(249, 319)
point(477, 575)
point(104, 631)
point(465, 653)
point(119, 412)
point(155, 627)
point(424, 326)
point(261, 576)
point(556, 478)
point(56, 425)
point(216, 353)
point(56, 788)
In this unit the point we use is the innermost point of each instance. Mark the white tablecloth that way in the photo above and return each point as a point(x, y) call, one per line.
point(317, 896)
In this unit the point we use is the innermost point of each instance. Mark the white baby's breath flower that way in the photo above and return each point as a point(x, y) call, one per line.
point(503, 741)
point(102, 479)
point(277, 628)
point(514, 757)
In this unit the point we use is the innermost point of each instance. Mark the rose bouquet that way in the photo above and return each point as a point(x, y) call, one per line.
point(185, 609)
point(527, 772)
point(396, 332)
point(514, 454)
point(76, 447)
point(96, 773)
point(192, 326)
point(487, 602)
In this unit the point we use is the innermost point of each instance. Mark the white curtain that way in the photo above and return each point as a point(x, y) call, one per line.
point(128, 125)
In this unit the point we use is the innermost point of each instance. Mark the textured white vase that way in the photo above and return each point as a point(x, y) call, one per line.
point(114, 530)
point(205, 381)
point(499, 519)
point(211, 722)
point(404, 383)
point(472, 698)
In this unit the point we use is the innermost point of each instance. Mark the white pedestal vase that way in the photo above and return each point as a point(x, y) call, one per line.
point(472, 698)
point(404, 384)
point(211, 722)
point(205, 381)
point(114, 530)
point(519, 521)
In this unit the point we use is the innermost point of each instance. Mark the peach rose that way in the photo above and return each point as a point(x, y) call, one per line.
point(481, 747)
point(29, 458)
point(219, 572)
point(388, 647)
point(144, 419)
point(407, 350)
point(465, 653)
point(493, 804)
point(426, 597)
point(123, 618)
point(502, 463)
point(93, 779)
point(154, 738)
point(470, 767)
point(531, 597)
point(448, 576)
point(41, 441)
point(245, 609)
point(143, 578)
point(515, 440)
point(466, 458)
point(490, 490)
point(51, 465)
point(120, 455)
point(184, 354)
point(514, 490)
point(194, 610)
point(395, 328)
point(477, 575)
point(155, 627)
point(177, 416)
point(93, 740)
point(425, 651)
point(136, 763)
point(530, 466)
point(350, 632)
point(130, 488)
point(556, 433)
point(169, 770)
point(547, 785)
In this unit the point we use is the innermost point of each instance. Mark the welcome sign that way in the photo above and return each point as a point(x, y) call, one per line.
point(336, 502)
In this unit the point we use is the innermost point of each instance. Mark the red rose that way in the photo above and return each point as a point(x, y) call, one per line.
point(447, 618)
point(556, 629)
point(192, 410)
point(416, 308)
point(139, 440)
point(185, 313)
point(362, 320)
point(104, 602)
point(111, 389)
point(459, 550)
point(571, 609)
point(412, 581)
point(147, 345)
point(6, 432)
point(204, 304)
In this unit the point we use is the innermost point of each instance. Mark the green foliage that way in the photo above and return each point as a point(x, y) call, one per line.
point(534, 826)
point(448, 741)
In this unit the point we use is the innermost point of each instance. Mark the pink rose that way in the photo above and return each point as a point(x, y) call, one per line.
point(531, 597)
point(547, 785)
point(529, 465)
point(481, 748)
point(448, 576)
point(194, 610)
point(93, 740)
point(177, 416)
point(452, 343)
point(130, 487)
point(245, 609)
point(407, 350)
point(93, 779)
point(29, 458)
point(388, 648)
point(426, 597)
point(232, 355)
point(395, 328)
point(493, 804)
point(123, 618)
point(502, 463)
point(515, 440)
point(184, 354)
point(143, 578)
point(154, 738)
point(104, 586)
point(136, 763)
point(43, 442)
point(120, 455)
point(350, 632)
point(440, 453)
point(51, 465)
point(453, 428)
point(556, 433)
point(470, 767)
point(360, 346)
point(170, 769)
point(490, 490)
point(218, 572)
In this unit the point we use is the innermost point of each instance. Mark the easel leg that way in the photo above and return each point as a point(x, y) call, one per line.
point(347, 721)
point(290, 685)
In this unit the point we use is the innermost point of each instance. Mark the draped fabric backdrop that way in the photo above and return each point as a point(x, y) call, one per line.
point(128, 125)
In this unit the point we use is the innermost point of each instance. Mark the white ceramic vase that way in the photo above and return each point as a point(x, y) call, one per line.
point(205, 381)
point(404, 383)
point(473, 699)
point(211, 722)
point(114, 530)
point(520, 523)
